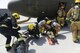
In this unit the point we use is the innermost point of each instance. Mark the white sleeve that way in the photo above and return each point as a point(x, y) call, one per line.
point(55, 24)
point(42, 22)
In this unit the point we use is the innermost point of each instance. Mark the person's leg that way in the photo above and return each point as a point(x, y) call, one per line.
point(78, 26)
point(74, 35)
point(62, 21)
point(5, 32)
point(59, 20)
point(74, 31)
point(8, 40)
point(8, 47)
point(78, 37)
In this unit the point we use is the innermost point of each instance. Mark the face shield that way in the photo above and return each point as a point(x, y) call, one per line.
point(76, 7)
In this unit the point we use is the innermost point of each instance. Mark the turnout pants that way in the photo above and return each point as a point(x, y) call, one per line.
point(8, 33)
point(75, 28)
point(61, 20)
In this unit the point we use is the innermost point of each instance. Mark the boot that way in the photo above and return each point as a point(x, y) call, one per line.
point(76, 41)
point(8, 48)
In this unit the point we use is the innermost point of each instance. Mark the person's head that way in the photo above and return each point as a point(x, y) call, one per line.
point(16, 15)
point(77, 2)
point(62, 5)
point(31, 26)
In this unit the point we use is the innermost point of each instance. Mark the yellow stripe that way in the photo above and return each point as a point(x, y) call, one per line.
point(15, 27)
point(7, 45)
point(3, 25)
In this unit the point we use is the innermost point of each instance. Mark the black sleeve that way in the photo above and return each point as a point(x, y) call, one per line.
point(14, 23)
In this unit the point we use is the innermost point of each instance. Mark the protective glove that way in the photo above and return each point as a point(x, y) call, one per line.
point(17, 28)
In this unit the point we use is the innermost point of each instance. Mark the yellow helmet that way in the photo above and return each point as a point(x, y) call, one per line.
point(16, 15)
point(77, 1)
point(48, 22)
point(31, 26)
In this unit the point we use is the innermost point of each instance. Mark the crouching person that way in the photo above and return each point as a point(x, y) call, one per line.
point(52, 31)
point(43, 26)
point(32, 29)
point(53, 26)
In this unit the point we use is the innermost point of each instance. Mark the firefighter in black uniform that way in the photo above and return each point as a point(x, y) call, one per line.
point(8, 28)
point(33, 30)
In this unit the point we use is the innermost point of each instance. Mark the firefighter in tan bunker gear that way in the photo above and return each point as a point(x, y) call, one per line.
point(74, 16)
point(61, 15)
point(43, 26)
point(54, 27)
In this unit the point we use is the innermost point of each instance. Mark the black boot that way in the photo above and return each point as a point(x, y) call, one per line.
point(8, 48)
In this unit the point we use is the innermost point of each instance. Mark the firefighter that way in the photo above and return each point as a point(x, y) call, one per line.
point(8, 28)
point(74, 16)
point(52, 32)
point(54, 26)
point(43, 26)
point(33, 30)
point(61, 15)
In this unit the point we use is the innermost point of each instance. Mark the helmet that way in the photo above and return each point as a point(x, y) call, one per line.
point(31, 26)
point(77, 1)
point(16, 15)
point(48, 22)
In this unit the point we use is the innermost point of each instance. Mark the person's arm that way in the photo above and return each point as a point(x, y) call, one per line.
point(14, 24)
point(69, 14)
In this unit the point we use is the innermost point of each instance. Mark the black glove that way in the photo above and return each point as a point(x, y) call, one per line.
point(17, 29)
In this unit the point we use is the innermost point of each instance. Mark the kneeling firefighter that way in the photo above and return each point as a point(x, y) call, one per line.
point(54, 26)
point(74, 16)
point(42, 26)
point(52, 32)
point(8, 28)
point(33, 30)
point(61, 15)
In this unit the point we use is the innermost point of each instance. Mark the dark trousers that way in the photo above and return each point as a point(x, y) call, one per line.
point(8, 33)
point(34, 33)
